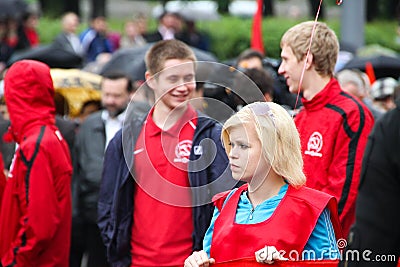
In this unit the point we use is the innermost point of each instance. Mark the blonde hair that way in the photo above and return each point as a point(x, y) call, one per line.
point(164, 50)
point(324, 47)
point(278, 136)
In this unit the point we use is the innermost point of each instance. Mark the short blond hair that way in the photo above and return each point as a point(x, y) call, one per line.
point(278, 135)
point(324, 47)
point(164, 50)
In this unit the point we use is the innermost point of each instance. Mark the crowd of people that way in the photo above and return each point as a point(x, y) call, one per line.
point(157, 178)
point(96, 43)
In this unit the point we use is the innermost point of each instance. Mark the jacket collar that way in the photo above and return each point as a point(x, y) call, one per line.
point(323, 97)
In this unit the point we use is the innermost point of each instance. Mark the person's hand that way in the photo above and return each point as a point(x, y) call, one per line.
point(268, 254)
point(199, 259)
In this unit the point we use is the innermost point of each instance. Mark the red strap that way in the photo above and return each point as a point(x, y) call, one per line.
point(219, 199)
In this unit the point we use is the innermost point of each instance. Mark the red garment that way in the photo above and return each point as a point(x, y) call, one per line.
point(32, 35)
point(334, 128)
point(303, 206)
point(2, 178)
point(163, 219)
point(35, 218)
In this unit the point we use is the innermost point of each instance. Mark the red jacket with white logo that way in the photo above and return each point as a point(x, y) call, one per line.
point(35, 216)
point(334, 127)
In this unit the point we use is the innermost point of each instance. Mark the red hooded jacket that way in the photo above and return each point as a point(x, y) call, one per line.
point(35, 216)
point(2, 178)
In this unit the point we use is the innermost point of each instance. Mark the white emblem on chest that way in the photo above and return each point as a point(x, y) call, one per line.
point(314, 145)
point(182, 151)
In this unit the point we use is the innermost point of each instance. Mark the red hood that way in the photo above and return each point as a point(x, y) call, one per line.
point(29, 95)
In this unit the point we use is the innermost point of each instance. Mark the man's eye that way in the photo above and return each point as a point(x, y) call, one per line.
point(173, 79)
point(188, 78)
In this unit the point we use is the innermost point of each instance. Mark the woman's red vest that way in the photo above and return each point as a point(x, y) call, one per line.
point(288, 229)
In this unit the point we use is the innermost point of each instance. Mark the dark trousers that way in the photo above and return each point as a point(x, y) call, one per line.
point(86, 239)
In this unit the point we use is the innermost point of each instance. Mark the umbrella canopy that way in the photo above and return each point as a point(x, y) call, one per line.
point(77, 86)
point(131, 61)
point(384, 66)
point(12, 8)
point(52, 56)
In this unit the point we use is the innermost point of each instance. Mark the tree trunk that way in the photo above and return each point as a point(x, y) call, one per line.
point(372, 10)
point(314, 4)
point(51, 8)
point(223, 6)
point(269, 9)
point(72, 6)
point(98, 8)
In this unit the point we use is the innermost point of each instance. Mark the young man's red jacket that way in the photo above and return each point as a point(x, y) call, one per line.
point(2, 178)
point(334, 127)
point(35, 216)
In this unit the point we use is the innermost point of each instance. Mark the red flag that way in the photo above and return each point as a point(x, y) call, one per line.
point(256, 31)
point(369, 70)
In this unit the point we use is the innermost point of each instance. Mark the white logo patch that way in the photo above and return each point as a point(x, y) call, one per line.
point(198, 150)
point(182, 151)
point(314, 145)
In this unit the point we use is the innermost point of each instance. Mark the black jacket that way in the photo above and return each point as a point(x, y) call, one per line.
point(377, 210)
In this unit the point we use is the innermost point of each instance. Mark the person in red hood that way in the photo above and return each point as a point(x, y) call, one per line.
point(35, 215)
point(2, 178)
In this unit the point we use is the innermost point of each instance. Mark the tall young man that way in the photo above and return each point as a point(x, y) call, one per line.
point(161, 170)
point(333, 125)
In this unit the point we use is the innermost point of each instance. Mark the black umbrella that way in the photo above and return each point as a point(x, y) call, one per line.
point(12, 8)
point(131, 61)
point(52, 56)
point(384, 66)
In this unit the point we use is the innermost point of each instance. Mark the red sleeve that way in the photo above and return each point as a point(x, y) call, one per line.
point(39, 223)
point(219, 199)
point(346, 162)
point(2, 178)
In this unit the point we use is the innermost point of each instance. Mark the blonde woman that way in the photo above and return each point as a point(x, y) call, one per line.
point(273, 216)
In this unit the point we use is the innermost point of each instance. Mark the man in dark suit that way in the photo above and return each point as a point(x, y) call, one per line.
point(68, 40)
point(169, 24)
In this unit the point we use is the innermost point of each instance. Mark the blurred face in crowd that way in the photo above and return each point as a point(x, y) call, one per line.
point(115, 96)
point(71, 23)
point(172, 21)
point(141, 25)
point(99, 24)
point(131, 29)
point(32, 21)
point(353, 89)
point(251, 63)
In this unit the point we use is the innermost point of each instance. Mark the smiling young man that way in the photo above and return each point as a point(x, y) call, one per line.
point(161, 170)
point(333, 125)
